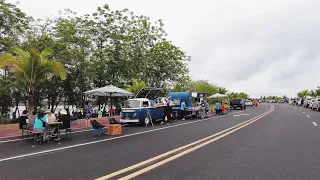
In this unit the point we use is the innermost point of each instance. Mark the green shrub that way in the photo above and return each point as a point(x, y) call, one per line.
point(5, 120)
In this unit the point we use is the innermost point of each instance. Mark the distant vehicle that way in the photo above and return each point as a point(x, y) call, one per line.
point(311, 103)
point(237, 103)
point(248, 102)
point(306, 102)
point(281, 101)
point(316, 104)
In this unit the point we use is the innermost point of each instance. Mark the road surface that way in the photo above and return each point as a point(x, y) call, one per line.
point(273, 141)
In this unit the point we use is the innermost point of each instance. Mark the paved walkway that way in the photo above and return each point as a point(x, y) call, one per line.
point(12, 132)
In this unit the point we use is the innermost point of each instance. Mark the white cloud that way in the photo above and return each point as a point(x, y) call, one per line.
point(259, 47)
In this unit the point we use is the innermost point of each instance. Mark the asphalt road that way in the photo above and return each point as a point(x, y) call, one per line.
point(280, 145)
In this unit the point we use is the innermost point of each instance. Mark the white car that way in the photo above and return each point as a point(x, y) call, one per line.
point(316, 104)
point(248, 102)
point(311, 103)
point(307, 102)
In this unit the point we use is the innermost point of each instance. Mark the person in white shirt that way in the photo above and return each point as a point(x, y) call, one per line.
point(50, 116)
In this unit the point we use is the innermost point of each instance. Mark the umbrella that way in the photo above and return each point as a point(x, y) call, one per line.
point(110, 91)
point(217, 95)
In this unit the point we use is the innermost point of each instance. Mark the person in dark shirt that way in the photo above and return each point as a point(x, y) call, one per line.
point(23, 120)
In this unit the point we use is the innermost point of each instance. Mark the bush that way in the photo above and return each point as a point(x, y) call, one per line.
point(5, 120)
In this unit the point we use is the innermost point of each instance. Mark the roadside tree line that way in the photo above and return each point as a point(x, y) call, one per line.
point(313, 93)
point(58, 59)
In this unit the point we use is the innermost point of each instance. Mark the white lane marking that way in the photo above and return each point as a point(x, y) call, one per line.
point(73, 132)
point(303, 112)
point(314, 123)
point(241, 115)
point(13, 140)
point(282, 107)
point(104, 140)
point(308, 116)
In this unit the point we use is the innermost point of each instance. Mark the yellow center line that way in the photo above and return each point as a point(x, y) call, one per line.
point(179, 149)
point(130, 176)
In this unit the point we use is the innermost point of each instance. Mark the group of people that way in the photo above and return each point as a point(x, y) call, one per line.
point(38, 122)
point(220, 108)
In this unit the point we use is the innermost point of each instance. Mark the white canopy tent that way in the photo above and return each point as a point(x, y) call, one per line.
point(110, 91)
point(217, 95)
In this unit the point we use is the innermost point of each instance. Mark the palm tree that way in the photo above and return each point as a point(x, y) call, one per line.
point(313, 93)
point(136, 86)
point(222, 90)
point(32, 67)
point(303, 94)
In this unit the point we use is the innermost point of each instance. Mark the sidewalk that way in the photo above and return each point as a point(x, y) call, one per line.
point(15, 131)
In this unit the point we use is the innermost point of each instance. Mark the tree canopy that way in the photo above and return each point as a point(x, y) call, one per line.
point(106, 47)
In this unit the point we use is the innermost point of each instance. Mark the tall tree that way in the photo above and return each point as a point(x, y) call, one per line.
point(32, 67)
point(13, 23)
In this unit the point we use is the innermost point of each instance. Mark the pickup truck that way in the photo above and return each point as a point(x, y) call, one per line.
point(237, 103)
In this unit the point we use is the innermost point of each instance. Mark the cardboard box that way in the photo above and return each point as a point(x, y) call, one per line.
point(114, 129)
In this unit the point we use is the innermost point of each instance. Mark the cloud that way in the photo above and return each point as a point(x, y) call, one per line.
point(259, 47)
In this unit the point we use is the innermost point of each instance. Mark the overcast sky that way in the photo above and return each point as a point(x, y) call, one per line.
point(259, 47)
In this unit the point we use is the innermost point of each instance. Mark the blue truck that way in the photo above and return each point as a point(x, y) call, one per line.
point(191, 99)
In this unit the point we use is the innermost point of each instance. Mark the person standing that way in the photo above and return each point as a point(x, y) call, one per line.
point(183, 110)
point(218, 107)
point(206, 108)
point(203, 110)
point(88, 113)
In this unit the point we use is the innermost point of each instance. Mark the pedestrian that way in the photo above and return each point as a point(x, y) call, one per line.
point(167, 113)
point(207, 106)
point(218, 107)
point(182, 110)
point(88, 113)
point(203, 110)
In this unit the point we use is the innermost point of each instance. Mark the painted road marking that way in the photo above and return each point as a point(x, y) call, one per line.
point(19, 137)
point(314, 123)
point(108, 139)
point(308, 116)
point(241, 115)
point(220, 135)
point(13, 140)
point(303, 112)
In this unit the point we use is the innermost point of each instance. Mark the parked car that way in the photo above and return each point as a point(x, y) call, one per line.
point(307, 102)
point(316, 104)
point(248, 103)
point(237, 103)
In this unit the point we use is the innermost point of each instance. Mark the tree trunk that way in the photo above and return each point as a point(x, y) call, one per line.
point(30, 103)
point(30, 100)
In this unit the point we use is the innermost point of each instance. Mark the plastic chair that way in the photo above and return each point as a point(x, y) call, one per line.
point(97, 127)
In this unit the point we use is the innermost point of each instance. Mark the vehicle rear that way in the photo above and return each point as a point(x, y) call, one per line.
point(248, 102)
point(315, 104)
point(237, 103)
